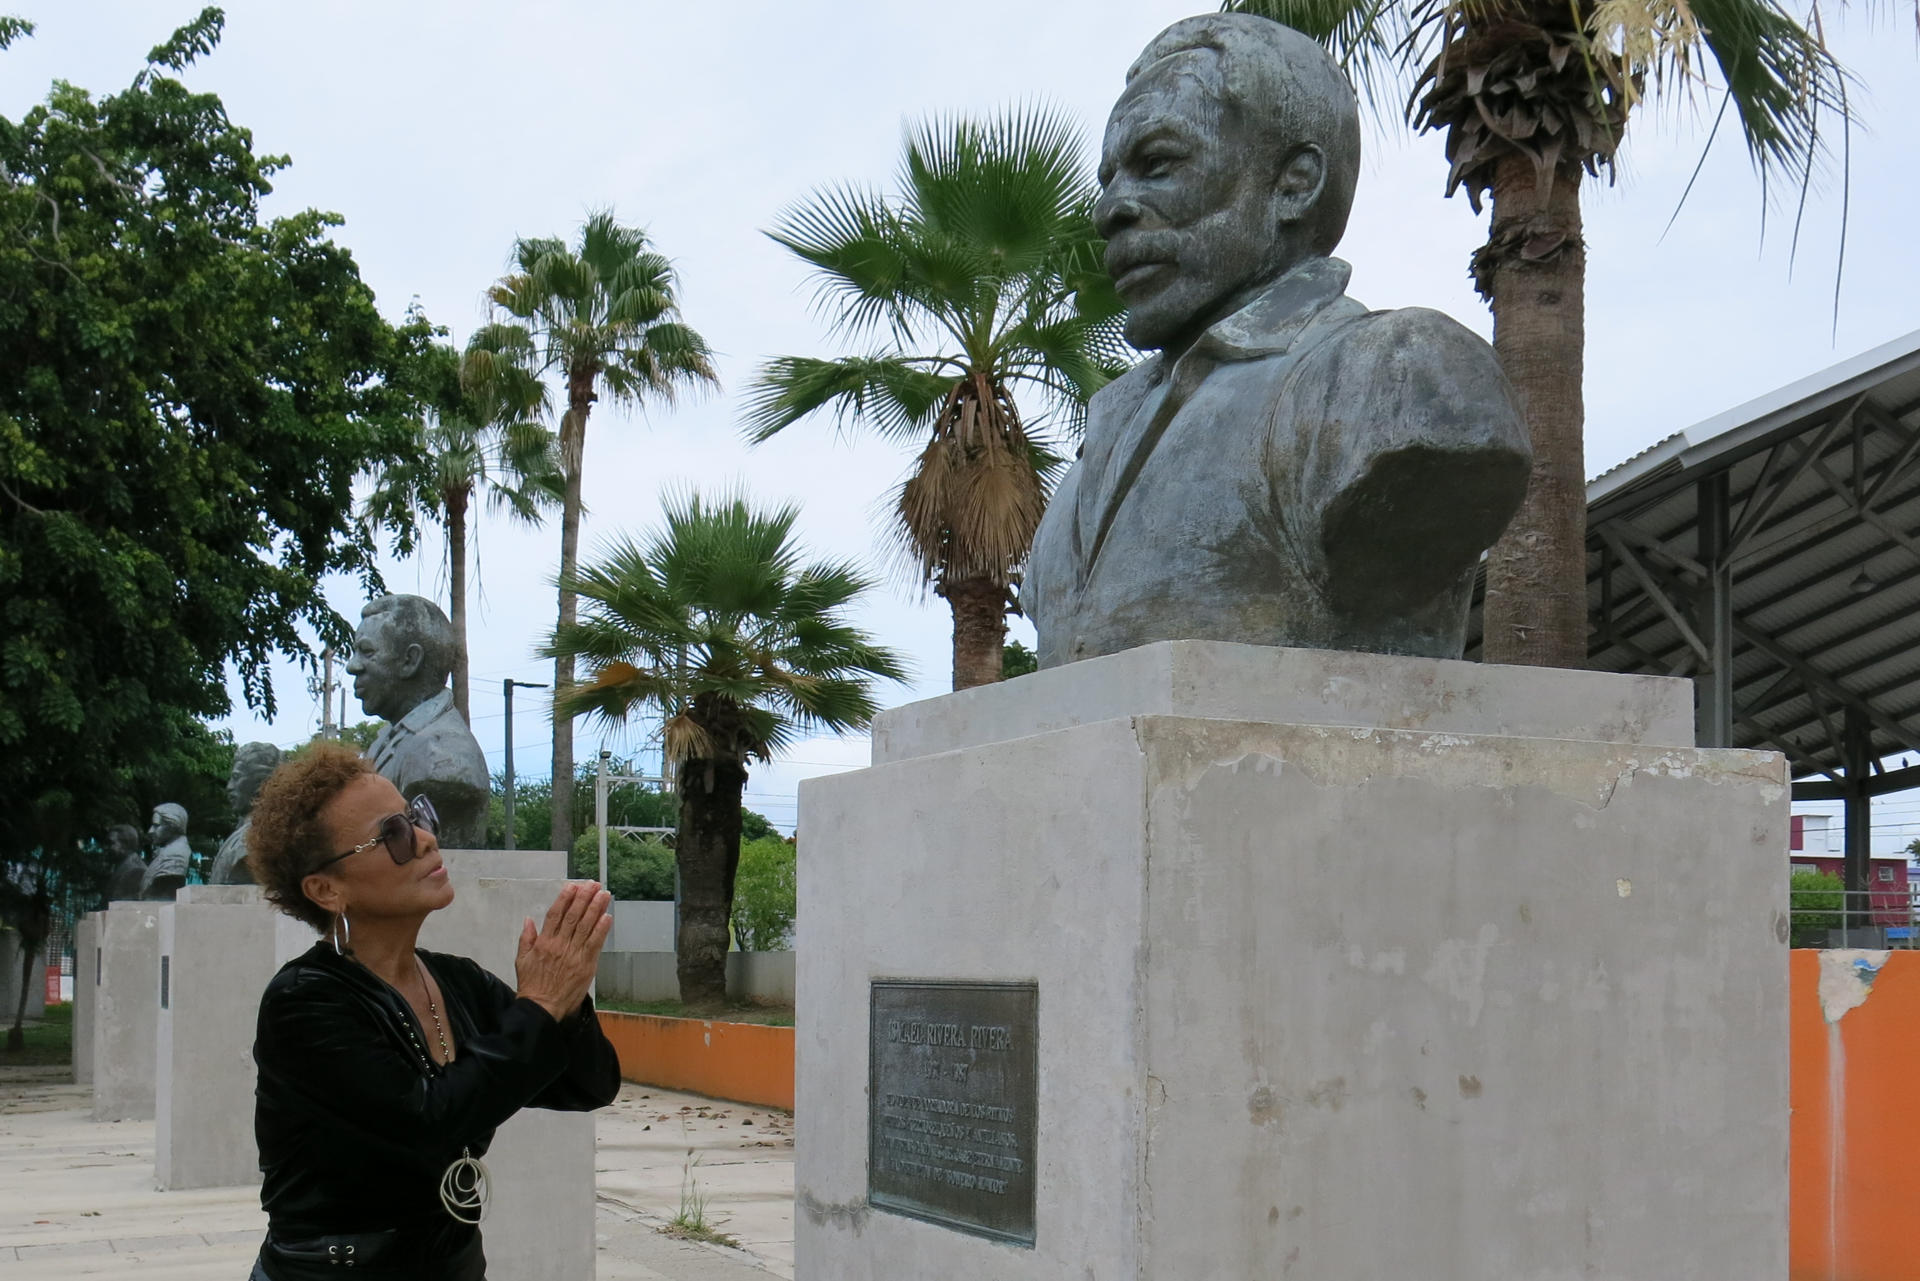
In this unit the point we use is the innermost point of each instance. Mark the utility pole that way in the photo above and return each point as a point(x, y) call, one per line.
point(506, 692)
point(325, 691)
point(600, 810)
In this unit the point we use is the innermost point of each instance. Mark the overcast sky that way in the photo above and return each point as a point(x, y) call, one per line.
point(440, 131)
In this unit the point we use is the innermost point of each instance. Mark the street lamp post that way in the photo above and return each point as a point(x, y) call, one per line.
point(506, 692)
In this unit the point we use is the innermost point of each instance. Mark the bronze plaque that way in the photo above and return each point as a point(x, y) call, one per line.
point(953, 1086)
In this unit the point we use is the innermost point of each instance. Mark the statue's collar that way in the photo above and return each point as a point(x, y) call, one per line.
point(425, 712)
point(1270, 321)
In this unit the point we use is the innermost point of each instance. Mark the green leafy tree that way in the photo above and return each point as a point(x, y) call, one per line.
point(1018, 660)
point(638, 867)
point(979, 278)
point(717, 624)
point(1534, 97)
point(603, 318)
point(187, 392)
point(764, 894)
point(479, 441)
point(1815, 902)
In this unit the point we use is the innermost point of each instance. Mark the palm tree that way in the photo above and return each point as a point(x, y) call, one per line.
point(979, 276)
point(717, 626)
point(1534, 97)
point(604, 319)
point(476, 441)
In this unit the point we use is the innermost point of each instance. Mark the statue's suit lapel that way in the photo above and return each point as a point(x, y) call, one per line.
point(1266, 326)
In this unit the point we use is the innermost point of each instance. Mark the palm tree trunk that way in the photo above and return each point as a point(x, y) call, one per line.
point(456, 503)
point(708, 855)
point(979, 630)
point(573, 443)
point(1533, 272)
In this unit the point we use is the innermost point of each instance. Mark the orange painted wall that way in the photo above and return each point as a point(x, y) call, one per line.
point(1856, 1128)
point(743, 1062)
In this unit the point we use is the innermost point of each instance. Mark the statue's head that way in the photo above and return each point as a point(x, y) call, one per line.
point(252, 762)
point(1230, 158)
point(169, 823)
point(402, 655)
point(123, 839)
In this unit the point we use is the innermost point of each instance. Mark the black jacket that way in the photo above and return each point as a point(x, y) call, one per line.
point(356, 1123)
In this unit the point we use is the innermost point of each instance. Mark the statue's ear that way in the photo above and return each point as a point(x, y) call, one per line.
point(410, 664)
point(1303, 176)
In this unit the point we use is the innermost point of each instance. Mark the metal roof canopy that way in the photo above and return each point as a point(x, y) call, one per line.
point(1772, 553)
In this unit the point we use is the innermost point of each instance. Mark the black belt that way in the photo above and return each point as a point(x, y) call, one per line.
point(449, 1253)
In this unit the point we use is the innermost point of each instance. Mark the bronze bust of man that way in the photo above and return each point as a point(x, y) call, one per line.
point(252, 764)
point(1290, 468)
point(402, 657)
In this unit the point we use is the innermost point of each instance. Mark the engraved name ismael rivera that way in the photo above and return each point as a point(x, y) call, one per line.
point(919, 1129)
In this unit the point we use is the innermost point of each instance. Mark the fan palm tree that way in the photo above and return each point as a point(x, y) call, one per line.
point(603, 318)
point(1534, 97)
point(715, 624)
point(481, 441)
point(980, 276)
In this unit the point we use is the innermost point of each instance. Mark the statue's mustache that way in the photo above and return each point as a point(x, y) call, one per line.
point(1130, 249)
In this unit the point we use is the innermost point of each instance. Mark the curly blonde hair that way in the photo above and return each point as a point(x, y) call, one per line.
point(285, 837)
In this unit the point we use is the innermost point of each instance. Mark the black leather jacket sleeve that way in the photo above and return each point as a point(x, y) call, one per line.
point(332, 1048)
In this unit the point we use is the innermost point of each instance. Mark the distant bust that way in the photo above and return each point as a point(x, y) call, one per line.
point(129, 869)
point(1291, 468)
point(402, 656)
point(167, 869)
point(252, 762)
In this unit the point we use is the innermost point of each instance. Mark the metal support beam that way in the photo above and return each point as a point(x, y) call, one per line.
point(1713, 725)
point(1859, 803)
point(1899, 780)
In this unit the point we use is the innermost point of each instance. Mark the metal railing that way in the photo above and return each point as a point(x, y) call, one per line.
point(1886, 916)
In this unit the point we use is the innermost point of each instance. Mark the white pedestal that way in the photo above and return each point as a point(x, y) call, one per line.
point(1314, 1000)
point(86, 979)
point(541, 1222)
point(126, 1012)
point(219, 947)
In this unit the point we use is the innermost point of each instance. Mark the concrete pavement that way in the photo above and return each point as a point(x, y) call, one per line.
point(77, 1196)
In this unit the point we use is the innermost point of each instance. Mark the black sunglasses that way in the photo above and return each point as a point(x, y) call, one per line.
point(397, 834)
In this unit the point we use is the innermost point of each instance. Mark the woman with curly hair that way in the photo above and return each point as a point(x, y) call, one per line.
point(383, 1068)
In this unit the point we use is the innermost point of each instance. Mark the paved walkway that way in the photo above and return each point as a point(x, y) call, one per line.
point(77, 1197)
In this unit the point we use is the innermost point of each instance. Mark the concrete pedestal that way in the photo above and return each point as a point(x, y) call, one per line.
point(1319, 1000)
point(86, 979)
point(541, 1222)
point(219, 946)
point(126, 1012)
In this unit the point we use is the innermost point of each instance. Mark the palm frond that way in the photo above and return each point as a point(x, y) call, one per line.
point(717, 622)
point(889, 394)
point(1005, 186)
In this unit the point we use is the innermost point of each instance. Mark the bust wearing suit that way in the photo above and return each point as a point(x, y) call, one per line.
point(402, 657)
point(1290, 468)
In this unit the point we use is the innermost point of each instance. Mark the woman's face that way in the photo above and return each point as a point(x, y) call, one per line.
point(370, 884)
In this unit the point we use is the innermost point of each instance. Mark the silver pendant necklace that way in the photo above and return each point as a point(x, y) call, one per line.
point(465, 1188)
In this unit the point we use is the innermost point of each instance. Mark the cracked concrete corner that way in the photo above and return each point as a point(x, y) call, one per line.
point(1846, 979)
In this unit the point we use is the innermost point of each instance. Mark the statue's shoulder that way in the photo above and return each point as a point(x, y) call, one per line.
point(1414, 337)
point(1409, 355)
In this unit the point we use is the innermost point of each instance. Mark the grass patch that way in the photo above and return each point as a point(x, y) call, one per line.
point(729, 1012)
point(691, 1223)
point(48, 1040)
